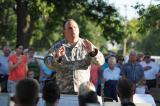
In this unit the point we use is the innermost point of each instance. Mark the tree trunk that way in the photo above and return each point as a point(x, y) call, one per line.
point(24, 26)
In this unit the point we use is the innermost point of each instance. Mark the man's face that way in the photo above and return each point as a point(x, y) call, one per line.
point(132, 57)
point(19, 50)
point(111, 64)
point(31, 53)
point(6, 51)
point(30, 74)
point(71, 31)
point(147, 59)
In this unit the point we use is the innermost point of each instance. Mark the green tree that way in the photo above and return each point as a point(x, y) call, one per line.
point(39, 23)
point(25, 15)
point(149, 18)
point(97, 12)
point(108, 18)
point(7, 23)
point(133, 36)
point(150, 44)
point(149, 29)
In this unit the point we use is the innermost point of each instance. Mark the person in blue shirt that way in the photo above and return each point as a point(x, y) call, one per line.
point(47, 74)
point(4, 68)
point(132, 70)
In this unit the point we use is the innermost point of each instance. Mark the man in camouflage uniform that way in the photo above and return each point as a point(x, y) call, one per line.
point(73, 57)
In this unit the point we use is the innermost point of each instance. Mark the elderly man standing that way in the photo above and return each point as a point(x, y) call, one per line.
point(73, 56)
point(132, 70)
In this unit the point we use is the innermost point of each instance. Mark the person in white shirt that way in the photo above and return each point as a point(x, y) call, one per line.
point(111, 76)
point(150, 71)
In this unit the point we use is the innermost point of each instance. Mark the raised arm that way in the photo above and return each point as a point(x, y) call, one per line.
point(13, 66)
point(53, 58)
point(97, 56)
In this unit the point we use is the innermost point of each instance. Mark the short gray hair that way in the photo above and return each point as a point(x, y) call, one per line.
point(66, 22)
point(133, 52)
point(112, 59)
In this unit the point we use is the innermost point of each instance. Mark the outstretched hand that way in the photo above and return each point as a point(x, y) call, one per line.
point(88, 46)
point(61, 52)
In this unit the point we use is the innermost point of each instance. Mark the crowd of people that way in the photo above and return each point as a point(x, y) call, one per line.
point(27, 93)
point(81, 69)
point(140, 73)
point(20, 64)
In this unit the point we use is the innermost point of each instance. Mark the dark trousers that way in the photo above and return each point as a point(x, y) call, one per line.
point(99, 89)
point(3, 82)
point(110, 89)
point(151, 83)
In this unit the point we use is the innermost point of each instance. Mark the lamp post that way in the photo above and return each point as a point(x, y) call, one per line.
point(125, 29)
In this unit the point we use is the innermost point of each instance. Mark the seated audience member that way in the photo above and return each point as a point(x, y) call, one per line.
point(51, 94)
point(27, 91)
point(125, 91)
point(87, 94)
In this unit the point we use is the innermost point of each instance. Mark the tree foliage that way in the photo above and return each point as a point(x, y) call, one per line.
point(108, 18)
point(39, 23)
point(149, 18)
point(150, 44)
point(7, 23)
point(149, 29)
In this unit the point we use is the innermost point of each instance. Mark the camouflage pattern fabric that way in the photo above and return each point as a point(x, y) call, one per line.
point(74, 67)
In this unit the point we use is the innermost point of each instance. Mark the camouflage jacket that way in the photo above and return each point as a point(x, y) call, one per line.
point(74, 66)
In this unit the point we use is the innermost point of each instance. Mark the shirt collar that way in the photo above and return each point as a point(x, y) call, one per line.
point(130, 63)
point(75, 45)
